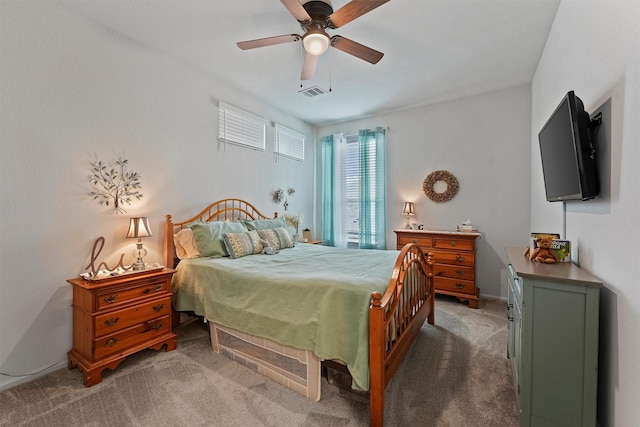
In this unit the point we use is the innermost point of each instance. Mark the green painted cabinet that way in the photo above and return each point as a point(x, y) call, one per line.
point(553, 313)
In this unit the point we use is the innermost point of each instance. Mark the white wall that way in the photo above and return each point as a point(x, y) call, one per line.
point(483, 141)
point(72, 92)
point(594, 49)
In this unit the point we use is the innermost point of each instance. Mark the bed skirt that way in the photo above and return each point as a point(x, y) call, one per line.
point(298, 370)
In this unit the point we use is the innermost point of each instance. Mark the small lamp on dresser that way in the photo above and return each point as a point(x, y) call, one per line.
point(408, 210)
point(138, 228)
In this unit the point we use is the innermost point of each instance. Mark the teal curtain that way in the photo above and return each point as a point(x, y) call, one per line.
point(372, 188)
point(328, 179)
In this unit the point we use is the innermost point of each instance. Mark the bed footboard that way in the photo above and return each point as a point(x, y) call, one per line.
point(395, 319)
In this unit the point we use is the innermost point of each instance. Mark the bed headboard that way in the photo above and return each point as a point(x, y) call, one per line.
point(222, 210)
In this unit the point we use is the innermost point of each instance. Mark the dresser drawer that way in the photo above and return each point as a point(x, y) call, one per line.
point(424, 242)
point(452, 243)
point(455, 285)
point(454, 271)
point(455, 258)
point(121, 341)
point(119, 319)
point(139, 289)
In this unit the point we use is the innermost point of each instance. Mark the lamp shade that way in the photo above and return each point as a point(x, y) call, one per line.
point(315, 41)
point(408, 208)
point(139, 227)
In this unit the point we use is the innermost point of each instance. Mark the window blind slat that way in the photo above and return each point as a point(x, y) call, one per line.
point(288, 143)
point(236, 126)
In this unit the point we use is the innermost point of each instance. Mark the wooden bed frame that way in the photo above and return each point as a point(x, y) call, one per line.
point(395, 317)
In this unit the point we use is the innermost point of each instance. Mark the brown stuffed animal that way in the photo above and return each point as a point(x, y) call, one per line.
point(543, 252)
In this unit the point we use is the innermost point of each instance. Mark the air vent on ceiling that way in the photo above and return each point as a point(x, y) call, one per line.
point(313, 91)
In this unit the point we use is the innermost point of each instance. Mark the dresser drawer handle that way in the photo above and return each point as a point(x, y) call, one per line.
point(459, 258)
point(110, 298)
point(453, 243)
point(158, 307)
point(460, 272)
point(156, 288)
point(459, 286)
point(110, 342)
point(155, 327)
point(414, 240)
point(111, 322)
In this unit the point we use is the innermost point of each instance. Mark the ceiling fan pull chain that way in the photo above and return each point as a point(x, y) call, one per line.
point(330, 68)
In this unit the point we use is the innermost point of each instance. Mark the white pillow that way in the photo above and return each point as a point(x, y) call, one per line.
point(185, 244)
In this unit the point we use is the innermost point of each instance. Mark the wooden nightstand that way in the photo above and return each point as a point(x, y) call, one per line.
point(454, 253)
point(113, 318)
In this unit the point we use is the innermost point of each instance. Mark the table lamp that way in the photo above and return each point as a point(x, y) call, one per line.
point(408, 210)
point(138, 228)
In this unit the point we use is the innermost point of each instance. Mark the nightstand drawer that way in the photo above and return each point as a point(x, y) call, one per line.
point(140, 333)
point(120, 319)
point(140, 289)
point(455, 285)
point(456, 258)
point(459, 245)
point(422, 241)
point(454, 271)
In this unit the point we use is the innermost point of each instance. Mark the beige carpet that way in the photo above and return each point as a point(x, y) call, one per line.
point(456, 374)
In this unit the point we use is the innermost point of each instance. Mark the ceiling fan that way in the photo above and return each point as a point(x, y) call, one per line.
point(315, 17)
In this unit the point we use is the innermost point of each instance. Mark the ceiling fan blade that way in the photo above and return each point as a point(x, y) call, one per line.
point(295, 8)
point(309, 67)
point(352, 10)
point(356, 49)
point(268, 41)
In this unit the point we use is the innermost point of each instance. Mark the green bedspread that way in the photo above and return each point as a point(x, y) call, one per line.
point(310, 297)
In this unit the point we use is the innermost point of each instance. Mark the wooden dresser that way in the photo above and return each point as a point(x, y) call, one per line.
point(113, 318)
point(454, 253)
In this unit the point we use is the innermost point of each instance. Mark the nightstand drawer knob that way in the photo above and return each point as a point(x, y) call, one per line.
point(155, 327)
point(156, 288)
point(111, 322)
point(158, 307)
point(111, 342)
point(110, 298)
point(459, 258)
point(453, 243)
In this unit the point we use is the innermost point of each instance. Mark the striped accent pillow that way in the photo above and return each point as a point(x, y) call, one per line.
point(278, 237)
point(242, 244)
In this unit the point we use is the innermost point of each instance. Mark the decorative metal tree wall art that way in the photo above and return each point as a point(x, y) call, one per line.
point(114, 185)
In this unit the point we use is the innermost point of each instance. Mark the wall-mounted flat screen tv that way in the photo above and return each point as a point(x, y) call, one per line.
point(568, 153)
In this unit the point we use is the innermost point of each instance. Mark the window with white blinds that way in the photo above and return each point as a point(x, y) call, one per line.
point(288, 143)
point(236, 126)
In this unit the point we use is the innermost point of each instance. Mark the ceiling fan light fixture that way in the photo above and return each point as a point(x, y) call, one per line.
point(316, 41)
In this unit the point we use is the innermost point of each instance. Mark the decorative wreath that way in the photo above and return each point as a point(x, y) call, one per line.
point(441, 175)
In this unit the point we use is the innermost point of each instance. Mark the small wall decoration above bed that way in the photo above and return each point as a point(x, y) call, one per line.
point(278, 196)
point(434, 177)
point(114, 185)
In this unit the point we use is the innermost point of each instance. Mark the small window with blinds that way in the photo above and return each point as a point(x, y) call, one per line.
point(288, 143)
point(239, 127)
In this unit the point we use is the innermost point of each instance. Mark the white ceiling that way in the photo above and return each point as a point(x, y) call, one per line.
point(435, 50)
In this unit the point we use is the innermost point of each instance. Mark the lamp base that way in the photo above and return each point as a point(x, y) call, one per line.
point(139, 265)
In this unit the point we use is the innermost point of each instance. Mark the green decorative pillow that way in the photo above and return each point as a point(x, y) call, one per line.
point(208, 236)
point(263, 224)
point(278, 238)
point(243, 244)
